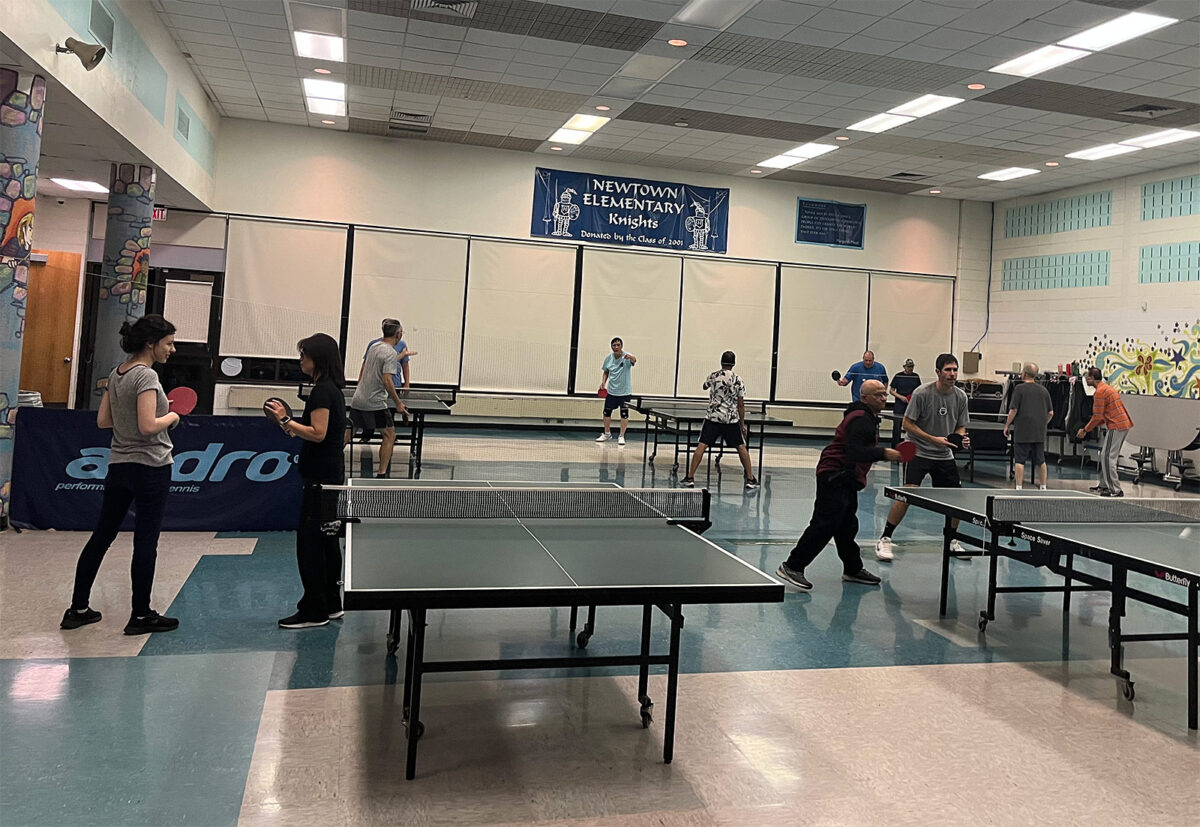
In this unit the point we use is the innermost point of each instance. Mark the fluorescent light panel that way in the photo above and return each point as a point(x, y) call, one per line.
point(1009, 174)
point(320, 46)
point(1038, 61)
point(712, 14)
point(925, 105)
point(880, 123)
point(780, 162)
point(1103, 151)
point(80, 186)
point(569, 136)
point(325, 106)
point(330, 89)
point(1134, 24)
point(1166, 136)
point(586, 123)
point(810, 150)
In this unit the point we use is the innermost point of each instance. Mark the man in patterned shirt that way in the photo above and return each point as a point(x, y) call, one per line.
point(726, 419)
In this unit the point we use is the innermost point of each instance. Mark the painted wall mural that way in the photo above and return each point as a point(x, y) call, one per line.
point(1168, 366)
point(21, 103)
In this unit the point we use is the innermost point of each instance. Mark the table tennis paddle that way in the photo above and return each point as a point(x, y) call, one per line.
point(956, 440)
point(602, 393)
point(287, 409)
point(837, 375)
point(907, 449)
point(182, 400)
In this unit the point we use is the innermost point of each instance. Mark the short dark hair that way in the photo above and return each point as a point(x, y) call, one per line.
point(325, 355)
point(728, 359)
point(148, 330)
point(615, 340)
point(391, 327)
point(1096, 374)
point(946, 359)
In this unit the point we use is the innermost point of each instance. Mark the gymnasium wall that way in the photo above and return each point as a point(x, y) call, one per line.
point(1115, 267)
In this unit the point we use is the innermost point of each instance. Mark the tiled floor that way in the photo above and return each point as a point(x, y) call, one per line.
point(847, 705)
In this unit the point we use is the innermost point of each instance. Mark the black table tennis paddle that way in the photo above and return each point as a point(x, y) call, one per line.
point(837, 375)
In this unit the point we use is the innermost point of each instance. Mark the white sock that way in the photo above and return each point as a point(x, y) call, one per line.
point(1041, 488)
point(1018, 488)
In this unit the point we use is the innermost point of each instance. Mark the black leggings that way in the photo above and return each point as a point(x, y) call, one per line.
point(319, 557)
point(145, 487)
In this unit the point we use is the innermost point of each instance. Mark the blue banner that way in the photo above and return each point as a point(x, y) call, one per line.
point(607, 209)
point(231, 473)
point(831, 223)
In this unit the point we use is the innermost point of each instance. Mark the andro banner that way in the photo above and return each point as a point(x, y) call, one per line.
point(231, 473)
point(610, 210)
point(830, 223)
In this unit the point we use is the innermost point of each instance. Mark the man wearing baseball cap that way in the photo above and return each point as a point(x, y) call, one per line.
point(901, 388)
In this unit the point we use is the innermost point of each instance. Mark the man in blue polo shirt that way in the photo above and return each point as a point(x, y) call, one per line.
point(860, 372)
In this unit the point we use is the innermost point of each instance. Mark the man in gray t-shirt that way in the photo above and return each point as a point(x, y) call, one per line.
point(936, 411)
point(376, 383)
point(1029, 412)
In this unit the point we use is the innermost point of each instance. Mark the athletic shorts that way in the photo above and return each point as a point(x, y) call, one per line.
point(371, 421)
point(1024, 452)
point(611, 403)
point(729, 432)
point(943, 473)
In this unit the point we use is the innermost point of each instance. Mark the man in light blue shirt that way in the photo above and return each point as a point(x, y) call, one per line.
point(860, 372)
point(618, 381)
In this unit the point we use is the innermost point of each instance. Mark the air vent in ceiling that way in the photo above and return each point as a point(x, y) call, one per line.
point(409, 122)
point(1148, 111)
point(450, 8)
point(906, 176)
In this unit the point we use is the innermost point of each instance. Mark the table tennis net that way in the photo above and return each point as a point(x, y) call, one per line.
point(383, 502)
point(1093, 510)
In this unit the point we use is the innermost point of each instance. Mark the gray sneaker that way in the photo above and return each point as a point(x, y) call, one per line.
point(796, 578)
point(687, 482)
point(863, 576)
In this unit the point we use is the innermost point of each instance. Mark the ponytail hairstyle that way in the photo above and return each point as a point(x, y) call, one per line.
point(147, 330)
point(326, 358)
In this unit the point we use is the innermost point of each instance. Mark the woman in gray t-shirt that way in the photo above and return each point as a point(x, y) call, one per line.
point(139, 473)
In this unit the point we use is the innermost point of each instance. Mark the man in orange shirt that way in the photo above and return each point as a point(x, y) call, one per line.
point(1107, 410)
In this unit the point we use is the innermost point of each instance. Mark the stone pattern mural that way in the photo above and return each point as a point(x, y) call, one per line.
point(1168, 366)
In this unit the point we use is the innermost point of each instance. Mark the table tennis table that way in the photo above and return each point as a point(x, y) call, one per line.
point(415, 546)
point(420, 403)
point(684, 418)
point(1158, 538)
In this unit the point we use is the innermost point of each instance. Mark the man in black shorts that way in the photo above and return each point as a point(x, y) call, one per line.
point(1029, 412)
point(725, 420)
point(376, 384)
point(935, 411)
point(617, 381)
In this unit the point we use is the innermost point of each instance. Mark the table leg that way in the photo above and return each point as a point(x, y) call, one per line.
point(762, 431)
point(1193, 652)
point(993, 551)
point(644, 670)
point(946, 532)
point(1115, 643)
point(418, 438)
point(1067, 592)
point(672, 683)
point(415, 728)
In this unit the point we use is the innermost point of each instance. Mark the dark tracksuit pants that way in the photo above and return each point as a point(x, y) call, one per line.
point(835, 517)
point(318, 556)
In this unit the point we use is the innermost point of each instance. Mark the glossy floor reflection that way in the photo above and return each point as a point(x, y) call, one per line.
point(846, 705)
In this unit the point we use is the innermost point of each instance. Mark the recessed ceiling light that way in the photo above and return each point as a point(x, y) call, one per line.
point(325, 106)
point(1134, 24)
point(1009, 174)
point(976, 86)
point(842, 138)
point(925, 105)
point(323, 71)
point(80, 186)
point(935, 192)
point(676, 42)
point(570, 136)
point(1095, 153)
point(880, 123)
point(320, 46)
point(712, 14)
point(556, 149)
point(780, 162)
point(810, 150)
point(681, 123)
point(328, 122)
point(603, 108)
point(1166, 136)
point(1038, 61)
point(756, 172)
point(1052, 163)
point(333, 90)
point(586, 123)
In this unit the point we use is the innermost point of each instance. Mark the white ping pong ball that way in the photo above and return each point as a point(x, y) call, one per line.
point(1187, 532)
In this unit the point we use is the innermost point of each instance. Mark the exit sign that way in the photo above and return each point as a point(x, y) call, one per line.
point(160, 214)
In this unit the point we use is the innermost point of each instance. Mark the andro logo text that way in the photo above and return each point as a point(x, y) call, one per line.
point(196, 466)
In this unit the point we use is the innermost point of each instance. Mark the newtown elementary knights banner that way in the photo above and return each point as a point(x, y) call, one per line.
point(231, 473)
point(629, 211)
point(831, 223)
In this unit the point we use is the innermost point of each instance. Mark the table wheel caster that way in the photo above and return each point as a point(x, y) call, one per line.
point(393, 643)
point(581, 639)
point(419, 731)
point(647, 712)
point(1127, 690)
point(983, 622)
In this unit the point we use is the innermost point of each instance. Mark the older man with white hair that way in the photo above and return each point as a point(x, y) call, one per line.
point(1029, 412)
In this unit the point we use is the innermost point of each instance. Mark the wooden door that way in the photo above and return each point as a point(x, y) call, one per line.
point(50, 326)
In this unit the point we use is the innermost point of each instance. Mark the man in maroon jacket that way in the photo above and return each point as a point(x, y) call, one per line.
point(841, 474)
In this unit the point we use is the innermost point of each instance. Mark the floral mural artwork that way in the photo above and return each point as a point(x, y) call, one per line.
point(1169, 366)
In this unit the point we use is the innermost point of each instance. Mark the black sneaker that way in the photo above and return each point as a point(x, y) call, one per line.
point(337, 615)
point(1107, 493)
point(863, 576)
point(153, 622)
point(751, 483)
point(1097, 488)
point(687, 482)
point(299, 621)
point(796, 578)
point(73, 619)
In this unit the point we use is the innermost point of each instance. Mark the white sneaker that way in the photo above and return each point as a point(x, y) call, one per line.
point(956, 549)
point(605, 437)
point(620, 440)
point(883, 549)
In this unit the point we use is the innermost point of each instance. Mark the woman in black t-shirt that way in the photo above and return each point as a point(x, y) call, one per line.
point(322, 426)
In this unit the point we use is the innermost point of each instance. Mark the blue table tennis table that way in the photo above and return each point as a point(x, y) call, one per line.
point(413, 546)
point(1158, 538)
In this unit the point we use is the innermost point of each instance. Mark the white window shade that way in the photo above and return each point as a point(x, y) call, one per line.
point(911, 318)
point(633, 296)
point(283, 282)
point(822, 328)
point(418, 279)
point(520, 300)
point(726, 306)
point(186, 305)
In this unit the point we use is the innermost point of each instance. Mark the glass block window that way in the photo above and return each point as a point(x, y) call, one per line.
point(1056, 272)
point(1062, 215)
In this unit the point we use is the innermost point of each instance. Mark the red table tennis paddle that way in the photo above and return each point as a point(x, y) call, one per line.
point(182, 400)
point(907, 449)
point(602, 393)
